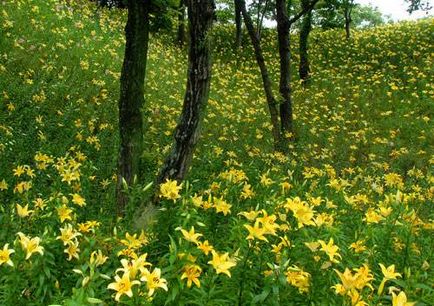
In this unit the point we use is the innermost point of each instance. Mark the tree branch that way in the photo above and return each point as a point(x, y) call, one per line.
point(303, 12)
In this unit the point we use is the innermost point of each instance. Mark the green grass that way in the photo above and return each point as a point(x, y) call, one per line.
point(366, 116)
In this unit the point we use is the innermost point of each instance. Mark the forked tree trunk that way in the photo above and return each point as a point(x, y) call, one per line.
point(238, 25)
point(132, 97)
point(271, 101)
point(261, 20)
point(200, 16)
point(180, 37)
point(258, 16)
point(306, 27)
point(283, 28)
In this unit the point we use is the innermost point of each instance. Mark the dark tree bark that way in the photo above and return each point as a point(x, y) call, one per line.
point(283, 29)
point(271, 101)
point(200, 16)
point(347, 26)
point(306, 27)
point(238, 25)
point(180, 37)
point(347, 14)
point(132, 96)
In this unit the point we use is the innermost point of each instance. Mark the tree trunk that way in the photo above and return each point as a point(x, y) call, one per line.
point(283, 27)
point(132, 97)
point(347, 28)
point(258, 16)
point(238, 26)
point(261, 21)
point(306, 27)
point(180, 37)
point(200, 16)
point(348, 20)
point(271, 101)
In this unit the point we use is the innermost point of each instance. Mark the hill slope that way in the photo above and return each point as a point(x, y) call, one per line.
point(360, 172)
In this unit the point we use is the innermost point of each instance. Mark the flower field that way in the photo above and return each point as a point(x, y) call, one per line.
point(345, 218)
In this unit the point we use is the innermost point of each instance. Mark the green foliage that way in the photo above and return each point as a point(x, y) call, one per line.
point(225, 11)
point(163, 13)
point(368, 16)
point(329, 15)
point(415, 5)
point(360, 172)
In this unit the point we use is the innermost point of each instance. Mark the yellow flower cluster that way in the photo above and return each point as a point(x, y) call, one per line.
point(220, 262)
point(132, 270)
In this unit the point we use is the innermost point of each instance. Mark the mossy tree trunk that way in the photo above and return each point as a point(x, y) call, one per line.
point(132, 97)
point(271, 101)
point(200, 17)
point(306, 27)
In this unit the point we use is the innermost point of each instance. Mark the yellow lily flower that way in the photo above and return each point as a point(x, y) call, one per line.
point(256, 232)
point(72, 250)
point(205, 247)
point(64, 213)
point(191, 235)
point(5, 255)
point(222, 263)
point(30, 245)
point(23, 211)
point(330, 249)
point(170, 190)
point(192, 273)
point(67, 234)
point(123, 286)
point(389, 273)
point(401, 300)
point(153, 280)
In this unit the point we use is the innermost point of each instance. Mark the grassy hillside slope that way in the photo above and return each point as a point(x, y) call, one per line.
point(360, 172)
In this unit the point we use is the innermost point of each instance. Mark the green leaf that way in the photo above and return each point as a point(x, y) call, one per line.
point(94, 300)
point(261, 297)
point(424, 287)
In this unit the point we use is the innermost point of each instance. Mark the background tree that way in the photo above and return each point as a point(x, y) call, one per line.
point(326, 16)
point(284, 24)
point(228, 11)
point(225, 11)
point(281, 118)
point(366, 16)
point(416, 5)
point(305, 28)
point(347, 7)
point(238, 25)
point(266, 81)
point(330, 14)
point(200, 17)
point(260, 8)
point(180, 37)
